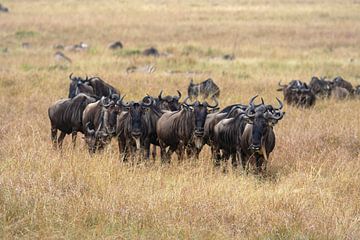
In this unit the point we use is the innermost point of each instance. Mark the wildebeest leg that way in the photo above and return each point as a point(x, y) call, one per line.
point(147, 148)
point(258, 162)
point(54, 137)
point(61, 139)
point(73, 137)
point(163, 151)
point(153, 152)
point(234, 161)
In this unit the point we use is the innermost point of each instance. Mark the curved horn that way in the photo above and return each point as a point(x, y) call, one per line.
point(149, 103)
point(87, 78)
point(179, 93)
point(118, 102)
point(251, 103)
point(281, 105)
point(160, 94)
point(281, 85)
point(268, 115)
point(262, 101)
point(213, 106)
point(71, 78)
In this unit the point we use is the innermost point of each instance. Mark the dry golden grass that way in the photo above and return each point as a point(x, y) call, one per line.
point(312, 188)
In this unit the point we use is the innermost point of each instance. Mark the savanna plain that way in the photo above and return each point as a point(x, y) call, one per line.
point(312, 186)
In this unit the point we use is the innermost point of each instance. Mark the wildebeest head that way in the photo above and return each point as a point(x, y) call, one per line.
point(168, 102)
point(95, 139)
point(262, 117)
point(136, 111)
point(79, 85)
point(320, 87)
point(200, 110)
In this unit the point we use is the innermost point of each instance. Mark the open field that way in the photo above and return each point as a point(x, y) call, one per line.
point(312, 190)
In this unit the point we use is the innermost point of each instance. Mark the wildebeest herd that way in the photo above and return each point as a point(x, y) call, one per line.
point(300, 94)
point(240, 132)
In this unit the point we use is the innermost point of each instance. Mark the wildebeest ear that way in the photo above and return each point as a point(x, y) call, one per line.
point(191, 81)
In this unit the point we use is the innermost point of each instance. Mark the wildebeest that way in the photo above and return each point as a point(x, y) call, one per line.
point(99, 119)
point(297, 93)
point(93, 85)
point(66, 115)
point(320, 87)
point(132, 128)
point(205, 89)
point(214, 118)
point(151, 52)
point(339, 93)
point(258, 138)
point(340, 82)
point(168, 102)
point(183, 130)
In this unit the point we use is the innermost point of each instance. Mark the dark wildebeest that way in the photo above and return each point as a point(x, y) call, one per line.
point(258, 138)
point(168, 102)
point(93, 85)
point(205, 89)
point(66, 115)
point(99, 119)
point(340, 82)
point(151, 52)
point(183, 130)
point(298, 94)
point(132, 128)
point(320, 87)
point(214, 118)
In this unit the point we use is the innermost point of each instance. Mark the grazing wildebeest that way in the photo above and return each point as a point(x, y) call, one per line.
point(66, 115)
point(183, 130)
point(340, 82)
point(99, 119)
point(258, 138)
point(132, 128)
point(320, 87)
point(151, 52)
point(205, 89)
point(298, 94)
point(93, 85)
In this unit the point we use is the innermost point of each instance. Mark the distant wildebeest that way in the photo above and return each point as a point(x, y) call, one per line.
point(339, 93)
point(93, 85)
point(340, 82)
point(151, 52)
point(115, 45)
point(61, 57)
point(258, 138)
point(3, 9)
point(66, 115)
point(183, 130)
point(320, 87)
point(99, 119)
point(132, 129)
point(298, 94)
point(205, 89)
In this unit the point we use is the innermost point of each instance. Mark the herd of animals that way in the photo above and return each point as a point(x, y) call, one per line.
point(301, 94)
point(240, 132)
